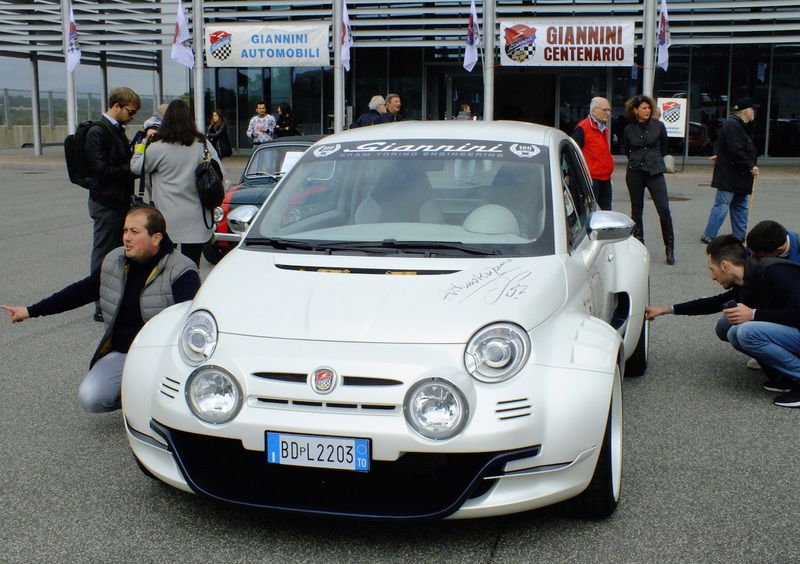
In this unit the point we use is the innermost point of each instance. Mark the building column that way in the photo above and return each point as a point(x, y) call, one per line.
point(338, 71)
point(489, 7)
point(197, 40)
point(649, 46)
point(36, 114)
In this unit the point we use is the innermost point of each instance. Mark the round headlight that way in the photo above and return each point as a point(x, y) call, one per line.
point(497, 352)
point(213, 395)
point(198, 338)
point(218, 214)
point(436, 409)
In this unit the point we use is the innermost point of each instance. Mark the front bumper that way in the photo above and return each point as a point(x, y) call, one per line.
point(529, 442)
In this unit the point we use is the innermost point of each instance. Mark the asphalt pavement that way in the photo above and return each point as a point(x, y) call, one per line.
point(710, 465)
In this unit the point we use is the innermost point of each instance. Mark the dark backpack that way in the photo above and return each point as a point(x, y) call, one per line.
point(78, 168)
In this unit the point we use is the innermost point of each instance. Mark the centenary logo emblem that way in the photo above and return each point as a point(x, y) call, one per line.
point(520, 42)
point(326, 150)
point(220, 45)
point(524, 151)
point(323, 380)
point(671, 112)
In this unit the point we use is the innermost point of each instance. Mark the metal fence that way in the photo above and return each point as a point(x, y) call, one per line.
point(16, 107)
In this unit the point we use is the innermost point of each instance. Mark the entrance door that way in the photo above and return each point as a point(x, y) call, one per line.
point(449, 87)
point(524, 95)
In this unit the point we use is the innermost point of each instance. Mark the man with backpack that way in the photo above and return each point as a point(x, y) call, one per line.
point(108, 156)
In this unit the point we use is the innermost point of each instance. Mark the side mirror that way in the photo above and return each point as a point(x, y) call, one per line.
point(240, 218)
point(609, 226)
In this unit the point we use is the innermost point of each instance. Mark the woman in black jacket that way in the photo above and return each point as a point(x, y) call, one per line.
point(286, 124)
point(645, 142)
point(218, 134)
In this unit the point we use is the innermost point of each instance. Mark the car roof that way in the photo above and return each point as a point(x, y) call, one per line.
point(509, 131)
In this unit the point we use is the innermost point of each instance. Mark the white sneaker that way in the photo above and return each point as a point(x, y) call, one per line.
point(753, 364)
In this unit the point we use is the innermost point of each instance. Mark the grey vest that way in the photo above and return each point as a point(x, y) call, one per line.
point(155, 297)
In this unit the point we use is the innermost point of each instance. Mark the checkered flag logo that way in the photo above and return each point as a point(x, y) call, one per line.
point(220, 45)
point(671, 112)
point(520, 42)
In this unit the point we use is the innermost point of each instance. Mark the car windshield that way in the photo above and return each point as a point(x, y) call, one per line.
point(273, 161)
point(421, 197)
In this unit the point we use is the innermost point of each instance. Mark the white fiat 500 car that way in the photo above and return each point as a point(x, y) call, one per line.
point(424, 320)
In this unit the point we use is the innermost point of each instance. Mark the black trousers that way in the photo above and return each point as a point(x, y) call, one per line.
point(637, 180)
point(106, 230)
point(602, 193)
point(192, 250)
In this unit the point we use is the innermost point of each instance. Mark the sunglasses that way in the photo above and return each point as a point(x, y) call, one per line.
point(130, 111)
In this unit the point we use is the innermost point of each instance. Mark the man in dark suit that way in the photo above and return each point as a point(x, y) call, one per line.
point(108, 152)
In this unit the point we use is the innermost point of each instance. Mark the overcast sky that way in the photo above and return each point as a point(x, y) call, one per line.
point(17, 75)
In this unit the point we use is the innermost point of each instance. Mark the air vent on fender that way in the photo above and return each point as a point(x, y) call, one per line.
point(513, 409)
point(169, 387)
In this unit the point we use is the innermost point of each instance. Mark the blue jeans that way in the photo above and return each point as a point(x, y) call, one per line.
point(723, 203)
point(775, 347)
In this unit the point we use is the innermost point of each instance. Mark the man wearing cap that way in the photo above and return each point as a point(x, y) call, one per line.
point(734, 172)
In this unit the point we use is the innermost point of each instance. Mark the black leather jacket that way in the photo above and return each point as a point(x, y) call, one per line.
point(736, 155)
point(109, 153)
point(646, 144)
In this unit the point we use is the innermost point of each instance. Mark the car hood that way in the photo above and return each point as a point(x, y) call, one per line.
point(376, 299)
point(252, 193)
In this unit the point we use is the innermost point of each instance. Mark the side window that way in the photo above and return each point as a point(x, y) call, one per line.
point(578, 199)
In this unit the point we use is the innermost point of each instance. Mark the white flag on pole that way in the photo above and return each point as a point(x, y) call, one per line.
point(664, 40)
point(73, 47)
point(181, 40)
point(473, 30)
point(347, 38)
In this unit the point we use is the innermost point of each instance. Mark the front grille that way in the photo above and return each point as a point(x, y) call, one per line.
point(371, 408)
point(416, 486)
point(346, 380)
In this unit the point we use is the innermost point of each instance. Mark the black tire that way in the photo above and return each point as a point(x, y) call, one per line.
point(636, 365)
point(599, 500)
point(214, 253)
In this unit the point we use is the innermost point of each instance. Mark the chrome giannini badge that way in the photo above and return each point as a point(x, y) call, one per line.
point(323, 380)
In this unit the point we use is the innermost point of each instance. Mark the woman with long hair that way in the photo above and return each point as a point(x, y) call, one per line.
point(217, 133)
point(287, 123)
point(645, 141)
point(169, 158)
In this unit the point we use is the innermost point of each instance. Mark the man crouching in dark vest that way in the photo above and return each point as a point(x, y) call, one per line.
point(133, 284)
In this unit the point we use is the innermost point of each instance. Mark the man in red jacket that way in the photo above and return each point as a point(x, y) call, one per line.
point(592, 135)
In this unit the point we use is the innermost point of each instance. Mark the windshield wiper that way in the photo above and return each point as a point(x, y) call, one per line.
point(426, 247)
point(259, 174)
point(279, 243)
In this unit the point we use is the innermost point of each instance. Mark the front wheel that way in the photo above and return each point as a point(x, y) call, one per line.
point(600, 498)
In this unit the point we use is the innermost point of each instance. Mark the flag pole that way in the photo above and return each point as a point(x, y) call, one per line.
point(197, 72)
point(72, 119)
point(649, 47)
point(338, 72)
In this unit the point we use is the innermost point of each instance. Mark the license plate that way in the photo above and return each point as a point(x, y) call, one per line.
point(341, 453)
